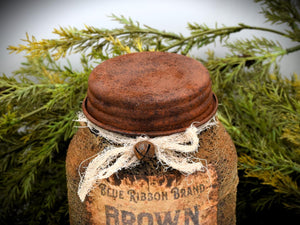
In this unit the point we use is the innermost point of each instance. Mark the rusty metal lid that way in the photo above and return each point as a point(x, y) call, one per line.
point(152, 93)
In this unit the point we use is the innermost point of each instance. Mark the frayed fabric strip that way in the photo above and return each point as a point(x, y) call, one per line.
point(172, 151)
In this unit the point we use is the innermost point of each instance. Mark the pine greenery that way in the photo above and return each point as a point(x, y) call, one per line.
point(259, 108)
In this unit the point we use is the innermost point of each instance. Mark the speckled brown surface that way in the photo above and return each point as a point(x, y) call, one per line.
point(215, 146)
point(153, 93)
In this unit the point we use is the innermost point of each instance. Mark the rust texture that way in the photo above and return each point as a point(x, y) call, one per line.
point(152, 93)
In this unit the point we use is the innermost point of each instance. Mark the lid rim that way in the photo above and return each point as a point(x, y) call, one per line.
point(149, 133)
point(112, 108)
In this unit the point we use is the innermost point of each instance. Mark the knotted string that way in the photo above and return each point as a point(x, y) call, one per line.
point(171, 151)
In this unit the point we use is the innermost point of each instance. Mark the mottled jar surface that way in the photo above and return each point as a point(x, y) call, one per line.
point(154, 94)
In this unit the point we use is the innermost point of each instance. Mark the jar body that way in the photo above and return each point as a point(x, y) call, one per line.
point(149, 196)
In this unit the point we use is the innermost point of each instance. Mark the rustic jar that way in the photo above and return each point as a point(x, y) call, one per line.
point(137, 105)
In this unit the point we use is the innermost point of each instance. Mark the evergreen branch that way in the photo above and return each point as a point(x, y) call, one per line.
point(203, 36)
point(292, 49)
point(283, 12)
point(258, 107)
point(75, 40)
point(244, 26)
point(82, 40)
point(277, 11)
point(32, 113)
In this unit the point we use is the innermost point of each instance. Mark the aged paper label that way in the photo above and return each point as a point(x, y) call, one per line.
point(156, 200)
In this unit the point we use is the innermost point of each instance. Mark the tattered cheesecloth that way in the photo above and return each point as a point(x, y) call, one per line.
point(173, 151)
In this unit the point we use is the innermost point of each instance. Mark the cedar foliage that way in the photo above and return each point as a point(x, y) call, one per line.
point(259, 108)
